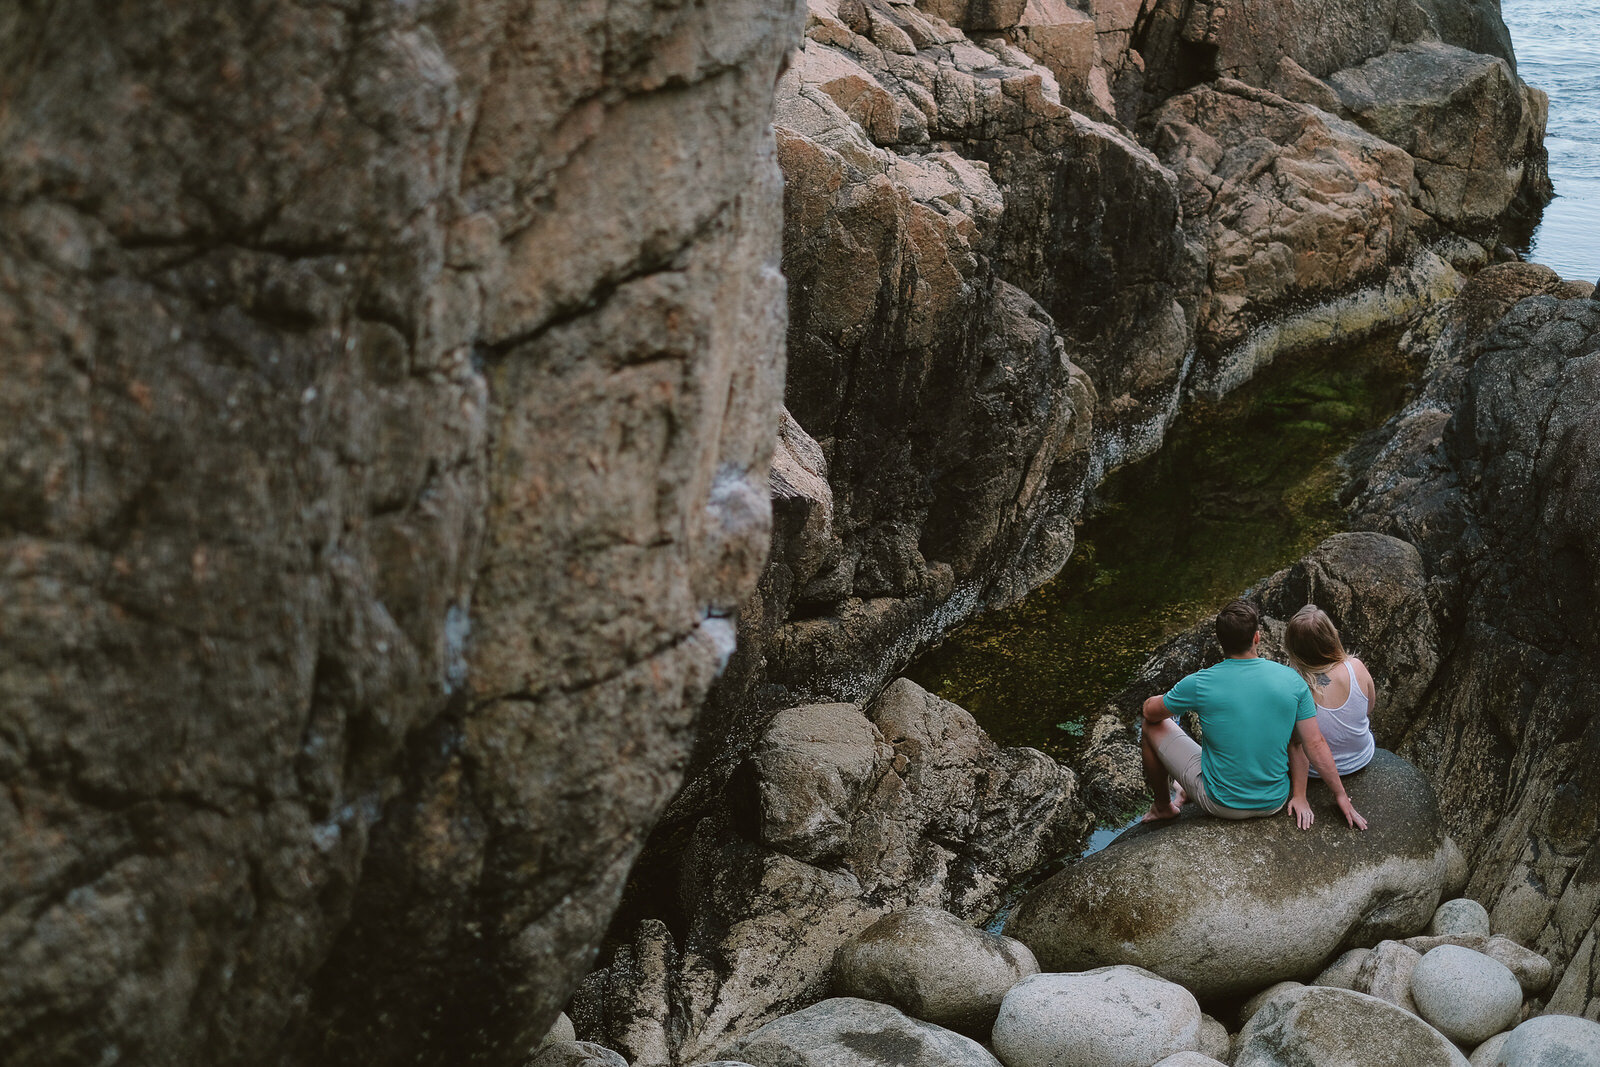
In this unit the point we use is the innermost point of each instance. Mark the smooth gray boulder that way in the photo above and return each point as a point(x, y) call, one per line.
point(1247, 903)
point(1468, 996)
point(1551, 1041)
point(560, 1030)
point(1108, 1017)
point(1532, 970)
point(1331, 1027)
point(933, 966)
point(1460, 916)
point(1190, 1059)
point(848, 1032)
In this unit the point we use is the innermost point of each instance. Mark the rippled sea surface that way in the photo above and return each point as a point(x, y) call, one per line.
point(1558, 50)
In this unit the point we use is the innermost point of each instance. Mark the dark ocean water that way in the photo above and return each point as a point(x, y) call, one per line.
point(1558, 50)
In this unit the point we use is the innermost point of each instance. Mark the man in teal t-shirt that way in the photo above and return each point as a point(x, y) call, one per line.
point(1251, 710)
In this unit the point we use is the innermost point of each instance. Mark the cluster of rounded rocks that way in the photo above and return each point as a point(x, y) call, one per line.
point(923, 989)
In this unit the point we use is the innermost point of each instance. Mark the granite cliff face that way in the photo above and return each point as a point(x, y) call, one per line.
point(391, 398)
point(389, 393)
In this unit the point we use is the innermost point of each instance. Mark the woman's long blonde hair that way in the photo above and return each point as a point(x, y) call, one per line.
point(1312, 642)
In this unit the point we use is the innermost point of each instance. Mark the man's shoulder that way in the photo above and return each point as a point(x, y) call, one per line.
point(1282, 670)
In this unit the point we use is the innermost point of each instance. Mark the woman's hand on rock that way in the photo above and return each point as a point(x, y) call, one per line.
point(1351, 815)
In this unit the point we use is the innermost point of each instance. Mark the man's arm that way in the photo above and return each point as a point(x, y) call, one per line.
point(1155, 709)
point(1299, 807)
point(1309, 735)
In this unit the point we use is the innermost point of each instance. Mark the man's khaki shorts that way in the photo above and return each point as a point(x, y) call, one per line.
point(1181, 755)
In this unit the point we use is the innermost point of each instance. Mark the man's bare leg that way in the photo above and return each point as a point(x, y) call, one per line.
point(1156, 777)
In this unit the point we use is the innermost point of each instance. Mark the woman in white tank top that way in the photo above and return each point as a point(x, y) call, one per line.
point(1342, 689)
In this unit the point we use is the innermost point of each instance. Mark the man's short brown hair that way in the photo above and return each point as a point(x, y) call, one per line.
point(1236, 627)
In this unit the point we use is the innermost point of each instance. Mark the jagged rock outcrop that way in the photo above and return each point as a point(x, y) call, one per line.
point(385, 453)
point(1491, 474)
point(840, 816)
point(1292, 204)
point(1183, 42)
point(1472, 128)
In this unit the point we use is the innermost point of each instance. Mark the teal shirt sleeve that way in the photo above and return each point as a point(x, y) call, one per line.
point(1185, 696)
point(1305, 706)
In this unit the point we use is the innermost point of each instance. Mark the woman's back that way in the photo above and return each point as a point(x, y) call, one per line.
point(1344, 696)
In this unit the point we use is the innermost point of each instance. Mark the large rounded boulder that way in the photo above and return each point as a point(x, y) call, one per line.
point(1465, 994)
point(933, 966)
point(1108, 1017)
point(1225, 908)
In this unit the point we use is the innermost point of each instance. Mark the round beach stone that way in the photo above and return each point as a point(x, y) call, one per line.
point(1551, 1041)
point(1214, 1039)
point(1190, 1059)
point(1345, 971)
point(1488, 1053)
point(1531, 969)
point(1332, 1027)
point(1467, 995)
point(932, 966)
point(848, 1032)
point(1108, 1017)
point(1462, 915)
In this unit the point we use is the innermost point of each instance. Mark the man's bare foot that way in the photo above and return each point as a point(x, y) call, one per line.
point(1160, 812)
point(1179, 797)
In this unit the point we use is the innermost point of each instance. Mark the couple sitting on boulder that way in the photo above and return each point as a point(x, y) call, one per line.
point(1263, 728)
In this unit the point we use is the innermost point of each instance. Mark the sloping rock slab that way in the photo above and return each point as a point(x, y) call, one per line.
point(1225, 908)
point(846, 1032)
